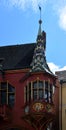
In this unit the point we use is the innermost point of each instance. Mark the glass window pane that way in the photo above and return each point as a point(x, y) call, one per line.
point(53, 89)
point(0, 96)
point(10, 88)
point(35, 85)
point(4, 86)
point(46, 96)
point(49, 97)
point(26, 93)
point(40, 84)
point(11, 95)
point(11, 99)
point(3, 97)
point(34, 94)
point(46, 85)
point(29, 87)
point(29, 92)
point(40, 94)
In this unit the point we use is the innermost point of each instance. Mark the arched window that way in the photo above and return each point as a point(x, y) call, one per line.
point(7, 94)
point(38, 90)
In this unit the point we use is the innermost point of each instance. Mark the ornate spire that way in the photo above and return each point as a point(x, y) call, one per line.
point(39, 59)
point(40, 22)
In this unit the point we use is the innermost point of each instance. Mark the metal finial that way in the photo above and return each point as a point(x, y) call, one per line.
point(40, 21)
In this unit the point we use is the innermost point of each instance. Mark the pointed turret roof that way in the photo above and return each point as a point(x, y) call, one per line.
point(39, 62)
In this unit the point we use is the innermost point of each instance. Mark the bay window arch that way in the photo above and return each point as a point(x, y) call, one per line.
point(38, 90)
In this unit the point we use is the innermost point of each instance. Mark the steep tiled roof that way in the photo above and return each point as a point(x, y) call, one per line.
point(16, 56)
point(61, 75)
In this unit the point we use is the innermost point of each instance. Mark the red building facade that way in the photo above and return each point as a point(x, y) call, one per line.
point(28, 89)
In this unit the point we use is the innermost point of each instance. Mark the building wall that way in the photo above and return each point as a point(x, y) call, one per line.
point(62, 99)
point(15, 78)
point(56, 103)
point(64, 107)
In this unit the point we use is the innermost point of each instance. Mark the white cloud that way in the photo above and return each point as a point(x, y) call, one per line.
point(62, 17)
point(55, 68)
point(58, 7)
point(24, 4)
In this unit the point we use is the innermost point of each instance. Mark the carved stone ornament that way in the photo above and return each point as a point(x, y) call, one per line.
point(38, 107)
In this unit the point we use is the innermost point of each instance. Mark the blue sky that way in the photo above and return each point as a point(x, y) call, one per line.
point(19, 25)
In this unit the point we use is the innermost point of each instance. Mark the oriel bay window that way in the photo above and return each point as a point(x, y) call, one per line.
point(38, 90)
point(7, 94)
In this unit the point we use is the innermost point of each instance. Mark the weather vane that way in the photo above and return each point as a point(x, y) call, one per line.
point(40, 21)
point(40, 11)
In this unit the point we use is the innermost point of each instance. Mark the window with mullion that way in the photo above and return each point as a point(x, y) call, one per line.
point(11, 95)
point(10, 88)
point(3, 97)
point(35, 90)
point(46, 91)
point(40, 87)
point(0, 96)
point(34, 94)
point(29, 92)
point(7, 94)
point(26, 93)
point(40, 84)
point(51, 92)
point(3, 93)
point(41, 94)
point(35, 85)
point(11, 99)
point(38, 90)
point(46, 95)
point(3, 85)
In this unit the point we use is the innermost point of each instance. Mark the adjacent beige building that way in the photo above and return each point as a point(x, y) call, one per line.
point(62, 99)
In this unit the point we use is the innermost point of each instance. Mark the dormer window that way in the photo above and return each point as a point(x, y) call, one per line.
point(39, 90)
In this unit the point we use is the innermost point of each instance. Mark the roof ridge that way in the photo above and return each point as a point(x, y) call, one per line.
point(17, 45)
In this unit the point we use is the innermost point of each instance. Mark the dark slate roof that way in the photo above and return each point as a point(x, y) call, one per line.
point(17, 56)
